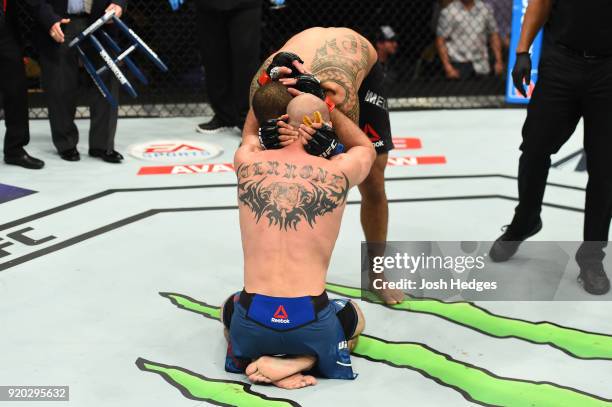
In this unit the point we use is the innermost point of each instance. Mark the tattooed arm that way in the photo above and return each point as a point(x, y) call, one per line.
point(340, 64)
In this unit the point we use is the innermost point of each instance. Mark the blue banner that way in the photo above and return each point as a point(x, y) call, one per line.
point(518, 12)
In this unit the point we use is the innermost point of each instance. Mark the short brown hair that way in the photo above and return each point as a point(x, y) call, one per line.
point(270, 101)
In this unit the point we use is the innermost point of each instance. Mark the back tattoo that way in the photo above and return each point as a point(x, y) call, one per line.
point(307, 193)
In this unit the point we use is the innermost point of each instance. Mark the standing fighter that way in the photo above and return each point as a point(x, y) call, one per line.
point(575, 80)
point(291, 204)
point(345, 64)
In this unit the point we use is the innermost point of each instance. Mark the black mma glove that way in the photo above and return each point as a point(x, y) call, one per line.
point(285, 59)
point(522, 71)
point(307, 83)
point(269, 135)
point(324, 143)
point(281, 59)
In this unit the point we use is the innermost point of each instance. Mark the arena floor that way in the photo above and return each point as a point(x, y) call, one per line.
point(114, 273)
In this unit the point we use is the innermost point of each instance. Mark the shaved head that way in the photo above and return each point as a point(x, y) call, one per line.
point(305, 105)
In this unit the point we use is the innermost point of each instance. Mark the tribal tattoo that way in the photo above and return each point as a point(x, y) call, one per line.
point(286, 203)
point(341, 61)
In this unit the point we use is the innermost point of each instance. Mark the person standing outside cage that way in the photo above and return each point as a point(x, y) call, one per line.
point(229, 34)
point(461, 40)
point(58, 22)
point(14, 89)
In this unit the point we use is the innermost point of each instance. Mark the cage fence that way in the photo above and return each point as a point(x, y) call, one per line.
point(416, 78)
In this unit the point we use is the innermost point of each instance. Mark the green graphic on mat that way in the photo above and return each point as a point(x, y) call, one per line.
point(477, 384)
point(189, 304)
point(577, 343)
point(474, 383)
point(220, 392)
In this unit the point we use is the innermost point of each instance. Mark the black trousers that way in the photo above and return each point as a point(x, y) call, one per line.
point(14, 89)
point(570, 87)
point(230, 43)
point(60, 80)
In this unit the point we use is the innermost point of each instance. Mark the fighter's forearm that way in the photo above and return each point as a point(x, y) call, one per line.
point(348, 132)
point(250, 130)
point(535, 17)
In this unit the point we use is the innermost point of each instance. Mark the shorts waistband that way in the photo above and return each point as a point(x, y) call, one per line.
point(319, 302)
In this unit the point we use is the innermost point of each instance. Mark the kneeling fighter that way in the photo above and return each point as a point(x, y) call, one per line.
point(291, 204)
point(344, 65)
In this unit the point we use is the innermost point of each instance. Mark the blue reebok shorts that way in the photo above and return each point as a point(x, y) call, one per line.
point(260, 325)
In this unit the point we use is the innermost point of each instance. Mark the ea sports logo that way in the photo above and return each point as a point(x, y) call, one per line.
point(281, 316)
point(175, 151)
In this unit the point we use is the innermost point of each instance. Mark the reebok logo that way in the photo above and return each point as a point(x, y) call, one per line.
point(371, 133)
point(280, 313)
point(280, 316)
point(373, 136)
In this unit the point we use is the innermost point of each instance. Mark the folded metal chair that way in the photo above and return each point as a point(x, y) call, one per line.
point(120, 56)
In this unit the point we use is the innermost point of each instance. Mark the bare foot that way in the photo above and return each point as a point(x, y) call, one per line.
point(255, 375)
point(277, 368)
point(296, 381)
point(386, 295)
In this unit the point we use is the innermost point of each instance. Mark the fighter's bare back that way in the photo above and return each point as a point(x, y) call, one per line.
point(290, 206)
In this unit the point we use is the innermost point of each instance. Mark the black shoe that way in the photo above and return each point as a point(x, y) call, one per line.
point(213, 126)
point(24, 160)
point(594, 280)
point(507, 244)
point(70, 155)
point(108, 156)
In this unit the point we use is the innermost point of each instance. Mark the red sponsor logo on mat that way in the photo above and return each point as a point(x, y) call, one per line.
point(187, 169)
point(407, 143)
point(406, 161)
point(410, 161)
point(171, 148)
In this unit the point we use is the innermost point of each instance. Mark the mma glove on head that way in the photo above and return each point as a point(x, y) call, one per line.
point(324, 143)
point(285, 59)
point(269, 135)
point(282, 59)
point(308, 83)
